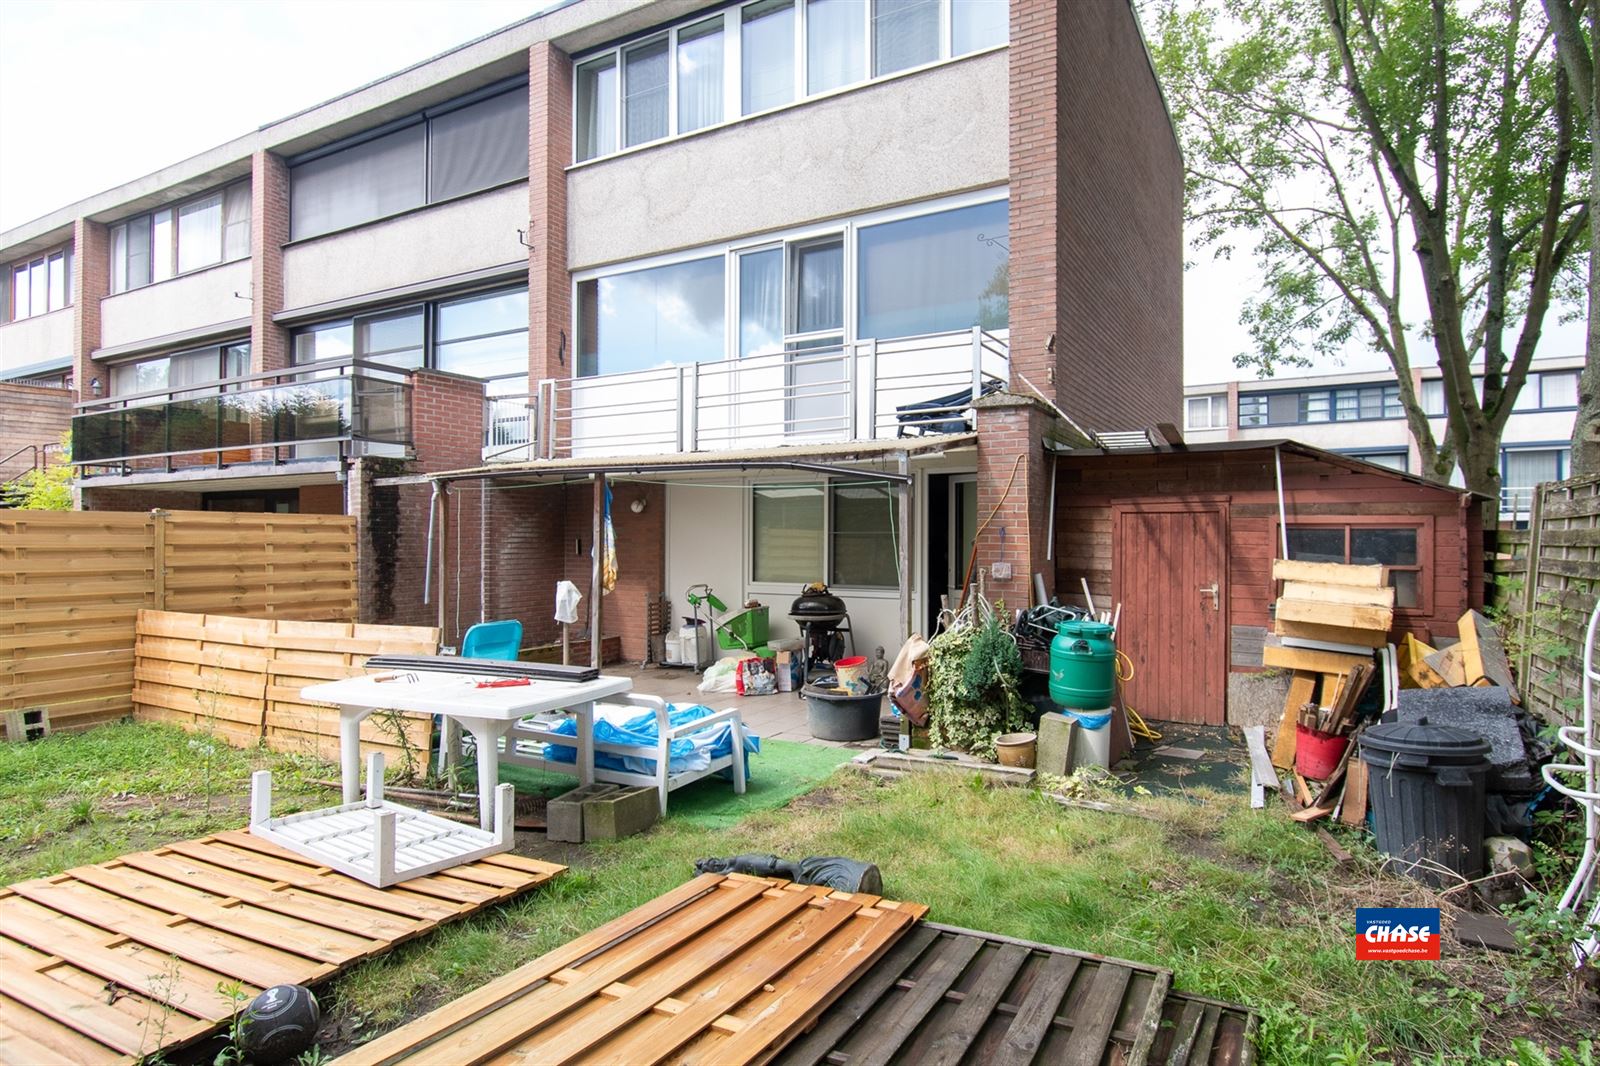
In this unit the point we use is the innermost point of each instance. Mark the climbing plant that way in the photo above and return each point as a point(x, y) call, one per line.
point(973, 675)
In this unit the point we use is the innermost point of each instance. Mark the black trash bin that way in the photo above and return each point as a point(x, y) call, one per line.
point(1425, 784)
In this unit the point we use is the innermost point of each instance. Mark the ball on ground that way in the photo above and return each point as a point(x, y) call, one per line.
point(280, 1023)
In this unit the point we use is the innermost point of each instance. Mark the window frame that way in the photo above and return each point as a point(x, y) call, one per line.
point(43, 261)
point(733, 70)
point(182, 392)
point(755, 585)
point(174, 211)
point(1215, 401)
point(1426, 551)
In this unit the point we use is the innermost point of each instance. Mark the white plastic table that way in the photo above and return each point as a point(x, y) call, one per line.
point(487, 713)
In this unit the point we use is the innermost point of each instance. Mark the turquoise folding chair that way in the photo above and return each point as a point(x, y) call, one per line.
point(493, 640)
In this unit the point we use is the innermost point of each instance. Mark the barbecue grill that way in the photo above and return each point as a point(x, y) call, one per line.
point(824, 623)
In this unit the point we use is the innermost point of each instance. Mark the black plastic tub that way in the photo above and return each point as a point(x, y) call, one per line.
point(1426, 790)
point(840, 716)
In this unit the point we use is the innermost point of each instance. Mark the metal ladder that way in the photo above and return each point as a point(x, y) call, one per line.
point(1585, 743)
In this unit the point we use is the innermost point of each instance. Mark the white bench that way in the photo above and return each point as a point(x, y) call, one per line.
point(525, 751)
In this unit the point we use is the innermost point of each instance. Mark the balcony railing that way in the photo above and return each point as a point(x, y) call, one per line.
point(327, 408)
point(865, 390)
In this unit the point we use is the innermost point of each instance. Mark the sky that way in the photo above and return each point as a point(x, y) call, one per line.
point(147, 83)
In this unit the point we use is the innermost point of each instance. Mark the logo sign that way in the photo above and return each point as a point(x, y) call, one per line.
point(1397, 932)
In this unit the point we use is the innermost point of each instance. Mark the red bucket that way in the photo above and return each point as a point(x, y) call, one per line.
point(1317, 754)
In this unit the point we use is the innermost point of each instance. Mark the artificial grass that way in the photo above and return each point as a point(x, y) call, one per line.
point(782, 771)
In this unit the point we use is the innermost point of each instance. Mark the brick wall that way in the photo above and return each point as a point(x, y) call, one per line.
point(269, 232)
point(91, 281)
point(1096, 217)
point(549, 151)
point(141, 499)
point(1013, 476)
point(30, 415)
point(321, 499)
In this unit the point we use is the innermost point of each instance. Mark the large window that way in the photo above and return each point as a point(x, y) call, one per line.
point(935, 272)
point(1400, 548)
point(1207, 412)
point(663, 316)
point(842, 532)
point(188, 236)
point(1395, 459)
point(1523, 468)
point(755, 56)
point(442, 153)
point(191, 373)
point(1358, 403)
point(39, 286)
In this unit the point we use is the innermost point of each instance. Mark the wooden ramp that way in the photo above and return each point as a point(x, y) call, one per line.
point(944, 995)
point(721, 969)
point(125, 959)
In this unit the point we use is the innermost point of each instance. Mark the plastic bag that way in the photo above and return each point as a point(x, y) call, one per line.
point(757, 676)
point(721, 676)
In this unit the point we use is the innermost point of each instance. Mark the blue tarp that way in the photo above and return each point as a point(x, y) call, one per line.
point(687, 753)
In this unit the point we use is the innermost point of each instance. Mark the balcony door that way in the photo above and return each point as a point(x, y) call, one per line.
point(791, 305)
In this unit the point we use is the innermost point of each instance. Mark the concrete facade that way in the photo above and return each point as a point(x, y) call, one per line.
point(197, 301)
point(41, 339)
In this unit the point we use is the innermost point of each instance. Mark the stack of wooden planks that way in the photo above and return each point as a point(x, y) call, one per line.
point(128, 959)
point(1477, 659)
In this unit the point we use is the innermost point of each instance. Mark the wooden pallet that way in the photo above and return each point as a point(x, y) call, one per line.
point(944, 995)
point(126, 959)
point(721, 969)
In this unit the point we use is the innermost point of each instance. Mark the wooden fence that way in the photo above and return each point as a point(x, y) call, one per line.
point(1547, 577)
point(71, 584)
point(241, 678)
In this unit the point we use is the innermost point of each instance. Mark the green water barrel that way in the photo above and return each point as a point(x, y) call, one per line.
point(1083, 666)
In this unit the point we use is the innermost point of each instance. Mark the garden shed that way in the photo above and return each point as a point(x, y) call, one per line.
point(1184, 537)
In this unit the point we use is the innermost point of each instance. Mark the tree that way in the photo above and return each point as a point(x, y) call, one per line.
point(44, 489)
point(1578, 59)
point(1362, 143)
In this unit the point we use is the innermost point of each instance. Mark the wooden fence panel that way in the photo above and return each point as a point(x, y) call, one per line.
point(1558, 559)
point(72, 583)
point(241, 678)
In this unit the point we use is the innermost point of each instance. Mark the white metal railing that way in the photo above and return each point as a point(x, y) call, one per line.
point(510, 427)
point(1585, 744)
point(1516, 503)
point(864, 390)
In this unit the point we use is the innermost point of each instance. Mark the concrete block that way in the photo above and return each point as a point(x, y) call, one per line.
point(564, 815)
point(621, 812)
point(1508, 855)
point(1055, 744)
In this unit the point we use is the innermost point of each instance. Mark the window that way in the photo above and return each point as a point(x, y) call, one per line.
point(786, 522)
point(836, 43)
point(1523, 468)
point(41, 285)
point(1252, 410)
point(761, 302)
point(482, 336)
point(1433, 397)
point(935, 272)
point(767, 54)
point(760, 55)
point(446, 152)
point(192, 235)
point(664, 316)
point(1389, 459)
point(1396, 547)
point(905, 33)
point(864, 535)
point(700, 75)
point(859, 549)
point(1207, 412)
point(1558, 390)
point(188, 374)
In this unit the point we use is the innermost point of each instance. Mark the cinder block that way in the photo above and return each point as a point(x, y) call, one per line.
point(620, 813)
point(1055, 744)
point(563, 815)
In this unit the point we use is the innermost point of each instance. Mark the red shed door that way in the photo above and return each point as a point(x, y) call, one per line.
point(1171, 579)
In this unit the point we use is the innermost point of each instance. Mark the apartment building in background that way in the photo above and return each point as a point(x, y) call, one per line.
point(1359, 415)
point(805, 282)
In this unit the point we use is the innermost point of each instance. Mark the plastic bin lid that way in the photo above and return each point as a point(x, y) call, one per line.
point(1439, 745)
point(1084, 628)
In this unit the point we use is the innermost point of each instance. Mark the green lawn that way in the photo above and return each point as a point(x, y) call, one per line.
point(1241, 904)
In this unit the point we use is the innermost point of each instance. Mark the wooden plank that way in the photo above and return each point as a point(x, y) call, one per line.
point(1261, 763)
point(1366, 638)
point(1369, 577)
point(979, 1002)
point(1302, 687)
point(27, 1036)
point(1097, 1015)
point(1354, 810)
point(1317, 662)
point(1450, 664)
point(74, 1009)
point(1485, 653)
point(947, 962)
point(1342, 595)
point(1344, 615)
point(1037, 1010)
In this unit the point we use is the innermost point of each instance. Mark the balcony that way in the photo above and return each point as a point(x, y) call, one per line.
point(864, 390)
point(332, 408)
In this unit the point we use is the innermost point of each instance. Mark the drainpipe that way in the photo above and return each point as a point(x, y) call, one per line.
point(443, 491)
point(596, 588)
point(903, 548)
point(1283, 515)
point(427, 557)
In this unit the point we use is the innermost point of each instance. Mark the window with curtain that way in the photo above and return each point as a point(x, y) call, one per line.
point(478, 146)
point(191, 235)
point(786, 534)
point(644, 92)
point(1558, 390)
point(933, 273)
point(836, 43)
point(905, 33)
point(663, 316)
point(761, 302)
point(700, 75)
point(863, 534)
point(597, 108)
point(976, 24)
point(1524, 468)
point(40, 285)
point(818, 272)
point(1432, 397)
point(767, 48)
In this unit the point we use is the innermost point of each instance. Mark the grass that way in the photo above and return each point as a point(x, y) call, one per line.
point(1243, 905)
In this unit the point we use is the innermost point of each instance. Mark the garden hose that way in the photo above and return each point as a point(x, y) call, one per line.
point(1136, 724)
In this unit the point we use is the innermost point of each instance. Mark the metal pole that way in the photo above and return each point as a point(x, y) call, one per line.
point(1283, 514)
point(596, 590)
point(443, 495)
point(903, 543)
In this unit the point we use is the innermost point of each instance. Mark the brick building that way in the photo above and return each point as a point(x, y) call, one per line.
point(746, 265)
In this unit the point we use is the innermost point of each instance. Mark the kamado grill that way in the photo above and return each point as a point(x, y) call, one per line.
point(824, 623)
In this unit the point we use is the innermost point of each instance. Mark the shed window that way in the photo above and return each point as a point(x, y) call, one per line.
point(1397, 547)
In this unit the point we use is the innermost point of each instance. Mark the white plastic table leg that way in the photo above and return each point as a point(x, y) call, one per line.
point(738, 756)
point(350, 751)
point(584, 713)
point(375, 779)
point(505, 814)
point(260, 797)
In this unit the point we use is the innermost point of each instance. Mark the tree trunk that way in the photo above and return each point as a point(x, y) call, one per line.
point(1586, 424)
point(1480, 469)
